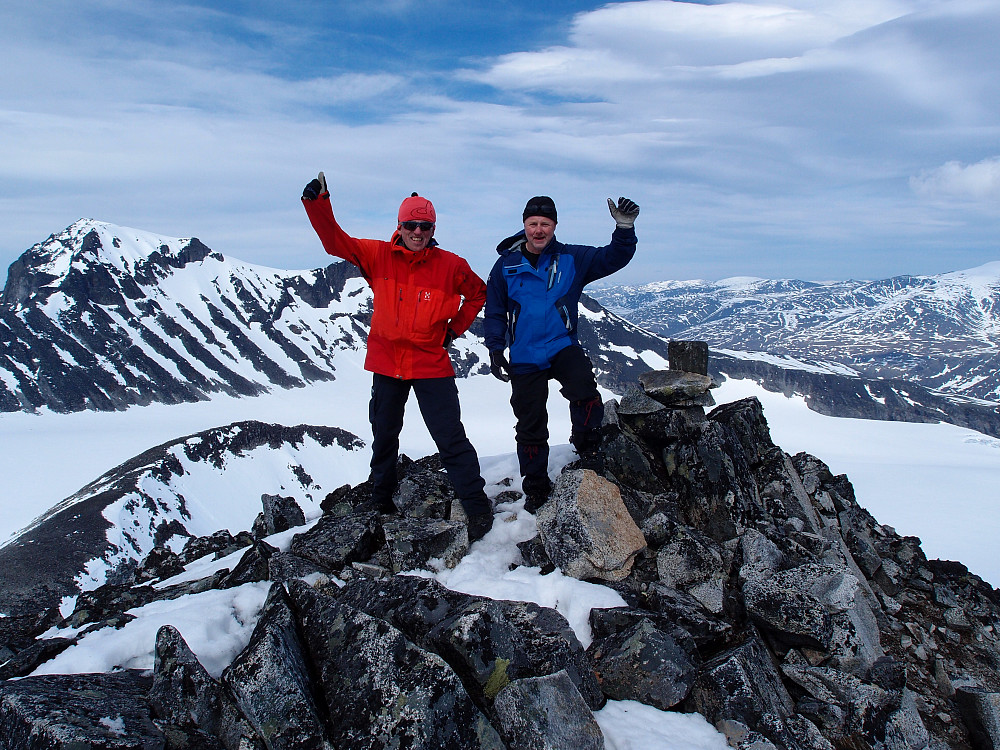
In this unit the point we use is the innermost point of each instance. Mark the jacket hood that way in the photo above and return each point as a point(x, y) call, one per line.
point(509, 242)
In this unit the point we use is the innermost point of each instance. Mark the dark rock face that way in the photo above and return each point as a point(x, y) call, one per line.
point(766, 598)
point(270, 680)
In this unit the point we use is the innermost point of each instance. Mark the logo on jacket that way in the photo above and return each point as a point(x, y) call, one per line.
point(426, 296)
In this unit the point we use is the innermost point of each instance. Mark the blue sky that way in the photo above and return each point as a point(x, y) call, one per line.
point(790, 138)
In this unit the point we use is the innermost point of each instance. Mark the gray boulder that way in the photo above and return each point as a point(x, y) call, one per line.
point(741, 684)
point(337, 541)
point(270, 681)
point(279, 514)
point(413, 543)
point(643, 664)
point(490, 643)
point(380, 689)
point(981, 710)
point(546, 713)
point(677, 388)
point(818, 606)
point(411, 604)
point(186, 699)
point(586, 528)
point(424, 492)
point(253, 566)
point(693, 563)
point(78, 711)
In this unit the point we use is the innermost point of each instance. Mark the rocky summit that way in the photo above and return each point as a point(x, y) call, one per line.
point(758, 593)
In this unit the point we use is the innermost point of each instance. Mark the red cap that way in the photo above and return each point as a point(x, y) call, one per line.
point(416, 208)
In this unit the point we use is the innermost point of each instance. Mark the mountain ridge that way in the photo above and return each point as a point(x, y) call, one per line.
point(942, 332)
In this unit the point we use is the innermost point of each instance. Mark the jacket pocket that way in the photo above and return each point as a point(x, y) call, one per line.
point(432, 310)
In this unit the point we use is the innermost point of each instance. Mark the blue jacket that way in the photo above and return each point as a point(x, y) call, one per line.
point(533, 310)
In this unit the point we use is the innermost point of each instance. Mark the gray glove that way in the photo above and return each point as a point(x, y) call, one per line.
point(624, 213)
point(315, 189)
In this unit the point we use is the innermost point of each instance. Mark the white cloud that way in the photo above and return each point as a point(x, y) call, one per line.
point(979, 182)
point(768, 139)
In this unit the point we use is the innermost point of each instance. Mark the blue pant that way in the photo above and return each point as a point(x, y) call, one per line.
point(438, 402)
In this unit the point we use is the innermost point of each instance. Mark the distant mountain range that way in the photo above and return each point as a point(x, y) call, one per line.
point(103, 317)
point(942, 332)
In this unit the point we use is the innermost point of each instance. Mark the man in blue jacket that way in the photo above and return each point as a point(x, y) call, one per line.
point(531, 308)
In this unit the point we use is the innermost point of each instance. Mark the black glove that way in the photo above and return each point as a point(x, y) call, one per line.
point(624, 213)
point(499, 366)
point(449, 337)
point(315, 189)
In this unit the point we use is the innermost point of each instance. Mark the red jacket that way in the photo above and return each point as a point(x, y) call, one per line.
point(418, 297)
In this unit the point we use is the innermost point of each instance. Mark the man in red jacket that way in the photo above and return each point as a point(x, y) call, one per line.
point(425, 297)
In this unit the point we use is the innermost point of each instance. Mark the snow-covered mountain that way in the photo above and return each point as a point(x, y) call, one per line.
point(942, 332)
point(105, 317)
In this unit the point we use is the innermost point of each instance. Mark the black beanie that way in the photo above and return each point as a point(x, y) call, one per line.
point(540, 205)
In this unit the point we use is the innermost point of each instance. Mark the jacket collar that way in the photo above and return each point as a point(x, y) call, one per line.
point(515, 242)
point(418, 257)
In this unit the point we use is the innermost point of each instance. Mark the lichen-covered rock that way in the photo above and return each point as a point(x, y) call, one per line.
point(27, 660)
point(253, 565)
point(677, 388)
point(586, 528)
point(270, 681)
point(159, 563)
point(336, 541)
point(424, 493)
point(380, 689)
point(279, 514)
point(546, 713)
point(645, 664)
point(284, 566)
point(741, 684)
point(412, 604)
point(491, 642)
point(420, 543)
point(818, 606)
point(188, 702)
point(219, 544)
point(693, 563)
point(183, 692)
point(107, 711)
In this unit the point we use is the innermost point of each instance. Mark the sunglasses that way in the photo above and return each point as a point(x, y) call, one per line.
point(411, 226)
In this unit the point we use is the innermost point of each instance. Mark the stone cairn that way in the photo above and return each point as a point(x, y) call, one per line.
point(759, 594)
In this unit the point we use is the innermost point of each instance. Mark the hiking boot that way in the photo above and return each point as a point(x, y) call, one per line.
point(536, 492)
point(479, 525)
point(593, 460)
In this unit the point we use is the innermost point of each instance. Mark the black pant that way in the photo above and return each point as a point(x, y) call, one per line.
point(574, 371)
point(438, 402)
